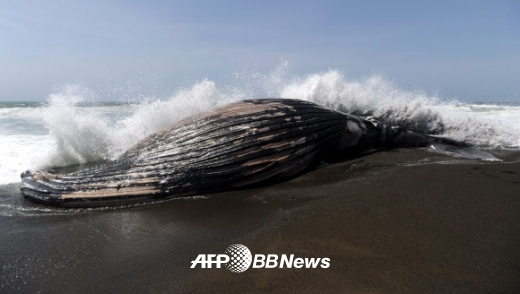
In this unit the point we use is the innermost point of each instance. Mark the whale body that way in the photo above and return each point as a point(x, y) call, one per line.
point(244, 144)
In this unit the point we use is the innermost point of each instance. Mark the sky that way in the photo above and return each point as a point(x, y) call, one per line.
point(469, 50)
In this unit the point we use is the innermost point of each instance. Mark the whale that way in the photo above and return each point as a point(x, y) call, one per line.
point(241, 145)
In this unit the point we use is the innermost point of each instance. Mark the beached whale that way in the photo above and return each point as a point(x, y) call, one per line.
point(244, 144)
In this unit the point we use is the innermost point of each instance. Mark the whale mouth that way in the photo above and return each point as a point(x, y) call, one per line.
point(47, 187)
point(42, 187)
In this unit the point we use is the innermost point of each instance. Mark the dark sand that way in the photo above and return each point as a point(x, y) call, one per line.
point(387, 227)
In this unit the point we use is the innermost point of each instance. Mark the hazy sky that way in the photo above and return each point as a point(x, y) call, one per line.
point(464, 49)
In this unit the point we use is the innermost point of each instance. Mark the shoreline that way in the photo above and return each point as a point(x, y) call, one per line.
point(387, 226)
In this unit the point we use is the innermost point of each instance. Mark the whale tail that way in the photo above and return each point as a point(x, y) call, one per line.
point(382, 135)
point(397, 137)
point(401, 137)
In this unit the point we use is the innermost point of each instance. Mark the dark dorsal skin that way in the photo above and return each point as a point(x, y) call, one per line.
point(244, 144)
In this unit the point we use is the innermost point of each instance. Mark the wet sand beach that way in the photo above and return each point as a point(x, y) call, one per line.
point(401, 221)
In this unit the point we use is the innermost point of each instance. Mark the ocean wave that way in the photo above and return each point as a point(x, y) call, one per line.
point(75, 134)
